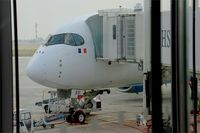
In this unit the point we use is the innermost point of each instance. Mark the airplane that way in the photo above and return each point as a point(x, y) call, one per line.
point(67, 61)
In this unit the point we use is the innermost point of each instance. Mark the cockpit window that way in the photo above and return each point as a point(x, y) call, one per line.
point(69, 40)
point(78, 39)
point(56, 39)
point(66, 38)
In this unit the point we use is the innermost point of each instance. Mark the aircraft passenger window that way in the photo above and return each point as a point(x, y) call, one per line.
point(78, 39)
point(56, 39)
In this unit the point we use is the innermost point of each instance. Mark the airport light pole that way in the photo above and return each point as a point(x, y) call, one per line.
point(36, 31)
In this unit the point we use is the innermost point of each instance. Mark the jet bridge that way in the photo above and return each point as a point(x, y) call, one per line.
point(117, 35)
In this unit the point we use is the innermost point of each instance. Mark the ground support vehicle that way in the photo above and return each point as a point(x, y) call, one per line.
point(26, 122)
point(75, 108)
point(50, 121)
point(88, 101)
point(83, 106)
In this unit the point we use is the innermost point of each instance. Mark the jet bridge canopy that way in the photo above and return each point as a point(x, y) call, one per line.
point(117, 35)
point(95, 24)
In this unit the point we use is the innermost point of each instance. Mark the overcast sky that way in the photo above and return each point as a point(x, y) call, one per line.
point(50, 14)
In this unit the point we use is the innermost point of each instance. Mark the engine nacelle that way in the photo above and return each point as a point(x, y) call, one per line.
point(136, 88)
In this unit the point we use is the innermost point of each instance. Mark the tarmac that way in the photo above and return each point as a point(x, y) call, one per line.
point(118, 115)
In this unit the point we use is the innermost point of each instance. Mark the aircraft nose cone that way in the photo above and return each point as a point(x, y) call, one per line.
point(35, 71)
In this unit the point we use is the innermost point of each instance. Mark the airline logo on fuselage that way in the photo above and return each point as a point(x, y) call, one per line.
point(166, 38)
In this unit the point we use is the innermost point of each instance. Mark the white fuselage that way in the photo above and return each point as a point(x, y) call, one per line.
point(75, 67)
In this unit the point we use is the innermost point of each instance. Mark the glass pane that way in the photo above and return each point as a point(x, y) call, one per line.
point(69, 40)
point(47, 77)
point(166, 64)
point(166, 41)
point(56, 39)
point(27, 116)
point(78, 39)
point(193, 60)
point(22, 116)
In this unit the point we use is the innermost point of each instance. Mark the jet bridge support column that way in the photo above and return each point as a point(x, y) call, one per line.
point(147, 93)
point(146, 56)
